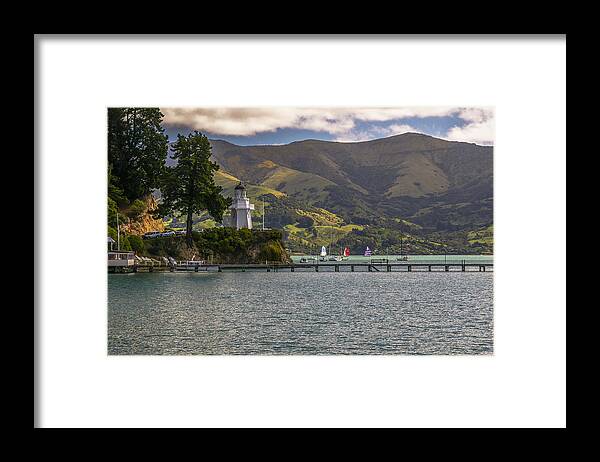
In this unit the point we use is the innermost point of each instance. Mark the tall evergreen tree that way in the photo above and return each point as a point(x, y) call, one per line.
point(137, 149)
point(189, 186)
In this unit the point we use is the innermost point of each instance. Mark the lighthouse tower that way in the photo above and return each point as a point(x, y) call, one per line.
point(240, 209)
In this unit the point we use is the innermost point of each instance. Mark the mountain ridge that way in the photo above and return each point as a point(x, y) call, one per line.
point(436, 193)
point(352, 142)
point(403, 176)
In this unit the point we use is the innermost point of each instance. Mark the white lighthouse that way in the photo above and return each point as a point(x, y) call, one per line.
point(240, 209)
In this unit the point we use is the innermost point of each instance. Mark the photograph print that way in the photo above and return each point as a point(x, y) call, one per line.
point(300, 231)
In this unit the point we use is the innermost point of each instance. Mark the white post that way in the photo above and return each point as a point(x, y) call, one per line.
point(263, 220)
point(118, 234)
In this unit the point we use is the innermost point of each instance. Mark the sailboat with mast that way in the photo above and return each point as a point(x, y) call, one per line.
point(402, 257)
point(344, 254)
point(323, 254)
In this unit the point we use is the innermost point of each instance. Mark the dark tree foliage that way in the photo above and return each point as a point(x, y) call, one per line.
point(189, 186)
point(137, 244)
point(137, 150)
point(225, 245)
point(122, 239)
point(113, 210)
point(236, 244)
point(305, 221)
point(115, 193)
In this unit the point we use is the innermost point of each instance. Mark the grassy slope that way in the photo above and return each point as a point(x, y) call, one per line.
point(483, 236)
point(440, 185)
point(228, 182)
point(304, 186)
point(422, 177)
point(406, 165)
point(440, 191)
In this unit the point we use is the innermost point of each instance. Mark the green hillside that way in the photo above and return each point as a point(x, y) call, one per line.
point(409, 191)
point(437, 184)
point(228, 182)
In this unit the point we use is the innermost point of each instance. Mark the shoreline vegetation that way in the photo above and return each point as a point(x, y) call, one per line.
point(157, 186)
point(137, 169)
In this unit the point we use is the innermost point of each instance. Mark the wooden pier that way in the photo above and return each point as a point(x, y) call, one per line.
point(366, 266)
point(378, 266)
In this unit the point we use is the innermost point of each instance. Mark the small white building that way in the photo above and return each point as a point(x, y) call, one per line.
point(240, 209)
point(121, 258)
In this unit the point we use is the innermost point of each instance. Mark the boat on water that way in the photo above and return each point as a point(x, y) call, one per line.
point(323, 256)
point(307, 259)
point(196, 265)
point(402, 258)
point(343, 255)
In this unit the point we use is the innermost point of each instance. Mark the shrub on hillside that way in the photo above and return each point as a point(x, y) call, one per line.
point(125, 244)
point(137, 209)
point(164, 246)
point(112, 232)
point(112, 212)
point(270, 252)
point(122, 241)
point(305, 222)
point(137, 244)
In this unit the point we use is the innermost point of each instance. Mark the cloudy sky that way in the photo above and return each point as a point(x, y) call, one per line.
point(274, 125)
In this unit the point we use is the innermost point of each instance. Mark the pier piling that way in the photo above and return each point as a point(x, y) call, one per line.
point(387, 266)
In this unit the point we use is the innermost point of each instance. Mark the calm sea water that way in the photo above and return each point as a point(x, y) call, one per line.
point(304, 313)
point(411, 258)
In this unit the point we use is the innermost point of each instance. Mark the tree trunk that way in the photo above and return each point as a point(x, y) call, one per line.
point(188, 229)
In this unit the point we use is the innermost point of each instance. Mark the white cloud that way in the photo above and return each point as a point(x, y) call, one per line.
point(476, 114)
point(398, 129)
point(480, 128)
point(363, 135)
point(375, 132)
point(249, 121)
point(339, 122)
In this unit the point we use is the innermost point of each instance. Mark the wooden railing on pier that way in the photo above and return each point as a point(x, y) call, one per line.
point(374, 265)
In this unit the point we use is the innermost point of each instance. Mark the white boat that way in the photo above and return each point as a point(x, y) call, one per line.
point(323, 254)
point(196, 265)
point(307, 259)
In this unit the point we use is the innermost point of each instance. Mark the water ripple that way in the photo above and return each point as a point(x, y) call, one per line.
point(300, 313)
